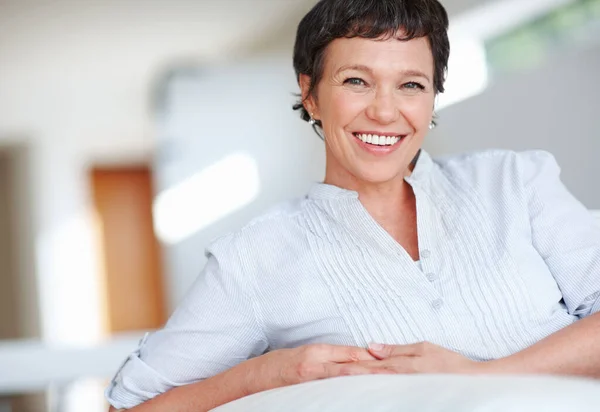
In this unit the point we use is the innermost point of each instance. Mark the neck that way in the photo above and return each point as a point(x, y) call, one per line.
point(392, 204)
point(383, 200)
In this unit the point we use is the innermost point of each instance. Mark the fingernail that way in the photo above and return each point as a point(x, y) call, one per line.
point(376, 346)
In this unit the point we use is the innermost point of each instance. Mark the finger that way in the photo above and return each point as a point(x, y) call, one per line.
point(400, 364)
point(342, 354)
point(381, 351)
point(333, 370)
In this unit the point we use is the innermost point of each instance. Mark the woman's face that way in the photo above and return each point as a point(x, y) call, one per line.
point(375, 102)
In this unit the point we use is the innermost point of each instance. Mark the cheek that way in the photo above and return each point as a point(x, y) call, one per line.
point(418, 113)
point(343, 108)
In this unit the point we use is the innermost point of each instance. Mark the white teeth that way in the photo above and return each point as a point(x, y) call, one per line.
point(378, 140)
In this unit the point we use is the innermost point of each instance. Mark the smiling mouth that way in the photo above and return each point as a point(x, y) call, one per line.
point(378, 140)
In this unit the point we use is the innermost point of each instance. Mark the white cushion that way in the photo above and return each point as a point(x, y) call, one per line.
point(431, 393)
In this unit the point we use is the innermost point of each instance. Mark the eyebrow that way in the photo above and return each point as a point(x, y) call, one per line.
point(367, 69)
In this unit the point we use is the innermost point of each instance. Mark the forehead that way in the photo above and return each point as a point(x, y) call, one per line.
point(380, 54)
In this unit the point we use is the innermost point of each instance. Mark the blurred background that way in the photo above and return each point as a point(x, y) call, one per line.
point(132, 132)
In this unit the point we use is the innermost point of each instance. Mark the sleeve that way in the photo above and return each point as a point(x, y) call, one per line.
point(564, 233)
point(214, 328)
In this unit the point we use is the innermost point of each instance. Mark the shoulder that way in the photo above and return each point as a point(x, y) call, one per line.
point(263, 246)
point(498, 167)
point(273, 227)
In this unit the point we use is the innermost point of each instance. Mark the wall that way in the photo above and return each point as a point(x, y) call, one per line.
point(76, 86)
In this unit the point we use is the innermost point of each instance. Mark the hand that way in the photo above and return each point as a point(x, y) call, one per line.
point(310, 362)
point(421, 357)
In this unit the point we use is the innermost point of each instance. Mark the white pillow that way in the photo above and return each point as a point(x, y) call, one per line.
point(431, 393)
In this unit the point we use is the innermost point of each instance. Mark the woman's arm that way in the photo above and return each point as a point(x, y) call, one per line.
point(212, 330)
point(567, 237)
point(564, 233)
point(201, 396)
point(275, 369)
point(574, 350)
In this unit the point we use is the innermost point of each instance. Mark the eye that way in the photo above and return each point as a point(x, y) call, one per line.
point(355, 81)
point(413, 86)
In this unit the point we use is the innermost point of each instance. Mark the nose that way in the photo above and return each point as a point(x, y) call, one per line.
point(383, 108)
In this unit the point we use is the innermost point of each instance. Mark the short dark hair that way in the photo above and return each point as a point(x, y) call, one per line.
point(372, 19)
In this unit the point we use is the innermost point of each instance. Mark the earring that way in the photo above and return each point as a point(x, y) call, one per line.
point(432, 125)
point(312, 121)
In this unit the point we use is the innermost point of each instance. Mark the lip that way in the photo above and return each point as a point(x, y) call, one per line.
point(379, 150)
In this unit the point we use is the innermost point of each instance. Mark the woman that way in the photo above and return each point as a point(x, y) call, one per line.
point(481, 263)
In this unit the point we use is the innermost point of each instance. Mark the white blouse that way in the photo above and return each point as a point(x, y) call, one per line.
point(507, 257)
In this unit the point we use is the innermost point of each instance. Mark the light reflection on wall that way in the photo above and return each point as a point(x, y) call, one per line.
point(205, 197)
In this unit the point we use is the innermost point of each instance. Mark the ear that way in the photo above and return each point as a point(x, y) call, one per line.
point(308, 100)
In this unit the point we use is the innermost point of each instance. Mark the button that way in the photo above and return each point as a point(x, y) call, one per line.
point(437, 304)
point(431, 277)
point(425, 254)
